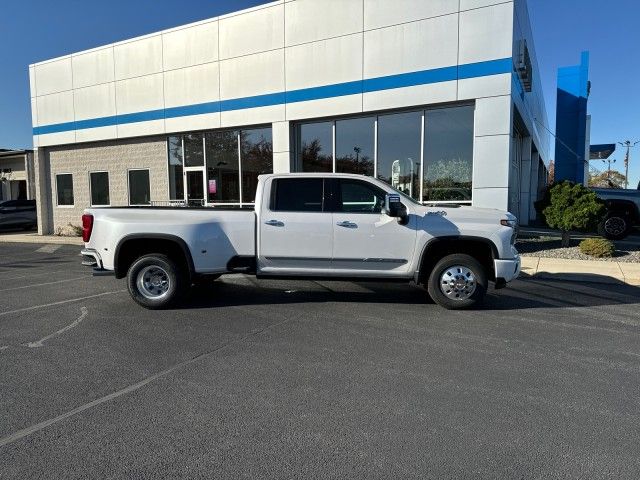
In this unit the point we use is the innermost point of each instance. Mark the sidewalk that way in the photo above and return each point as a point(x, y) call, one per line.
point(32, 237)
point(582, 270)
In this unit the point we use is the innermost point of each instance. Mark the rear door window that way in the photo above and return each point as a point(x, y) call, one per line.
point(298, 195)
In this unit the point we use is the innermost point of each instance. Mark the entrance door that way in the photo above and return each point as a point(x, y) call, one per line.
point(194, 187)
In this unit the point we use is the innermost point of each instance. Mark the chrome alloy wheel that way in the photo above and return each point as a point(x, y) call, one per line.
point(153, 282)
point(458, 282)
point(615, 226)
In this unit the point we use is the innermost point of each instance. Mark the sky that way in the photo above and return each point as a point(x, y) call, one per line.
point(36, 30)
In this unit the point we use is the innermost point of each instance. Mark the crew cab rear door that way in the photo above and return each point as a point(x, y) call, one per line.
point(295, 228)
point(365, 240)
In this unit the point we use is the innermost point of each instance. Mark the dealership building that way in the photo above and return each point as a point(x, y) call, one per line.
point(440, 98)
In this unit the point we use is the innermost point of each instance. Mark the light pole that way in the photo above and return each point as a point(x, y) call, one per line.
point(629, 145)
point(609, 161)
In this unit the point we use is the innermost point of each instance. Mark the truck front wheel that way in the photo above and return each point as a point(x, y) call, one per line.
point(155, 281)
point(615, 226)
point(457, 282)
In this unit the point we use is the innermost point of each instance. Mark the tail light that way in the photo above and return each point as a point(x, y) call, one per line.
point(87, 227)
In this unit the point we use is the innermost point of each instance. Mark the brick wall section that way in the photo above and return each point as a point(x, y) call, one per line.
point(115, 157)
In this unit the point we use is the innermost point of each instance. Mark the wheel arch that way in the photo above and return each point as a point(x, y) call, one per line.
point(135, 245)
point(480, 248)
point(624, 206)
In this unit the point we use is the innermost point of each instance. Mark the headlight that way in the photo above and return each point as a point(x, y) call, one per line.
point(513, 224)
point(509, 223)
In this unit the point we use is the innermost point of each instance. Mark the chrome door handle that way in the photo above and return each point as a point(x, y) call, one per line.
point(347, 224)
point(274, 223)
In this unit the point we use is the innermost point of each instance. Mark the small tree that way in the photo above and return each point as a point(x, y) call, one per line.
point(572, 207)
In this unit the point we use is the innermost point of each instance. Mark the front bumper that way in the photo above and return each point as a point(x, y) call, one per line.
point(507, 270)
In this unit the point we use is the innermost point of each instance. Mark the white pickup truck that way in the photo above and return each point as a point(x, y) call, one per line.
point(317, 226)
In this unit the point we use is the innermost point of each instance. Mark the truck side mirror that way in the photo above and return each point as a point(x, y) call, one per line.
point(395, 208)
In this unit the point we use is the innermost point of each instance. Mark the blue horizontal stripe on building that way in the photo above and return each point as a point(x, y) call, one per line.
point(423, 77)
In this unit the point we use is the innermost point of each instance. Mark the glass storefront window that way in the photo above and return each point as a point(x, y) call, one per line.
point(355, 145)
point(399, 151)
point(315, 147)
point(176, 187)
point(448, 154)
point(256, 154)
point(223, 176)
point(193, 150)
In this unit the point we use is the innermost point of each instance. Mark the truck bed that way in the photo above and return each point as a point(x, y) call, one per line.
point(230, 230)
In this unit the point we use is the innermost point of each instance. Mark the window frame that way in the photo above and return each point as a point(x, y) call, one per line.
point(129, 170)
point(296, 162)
point(91, 188)
point(73, 193)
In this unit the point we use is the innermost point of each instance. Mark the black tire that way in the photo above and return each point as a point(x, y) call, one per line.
point(467, 297)
point(615, 226)
point(160, 269)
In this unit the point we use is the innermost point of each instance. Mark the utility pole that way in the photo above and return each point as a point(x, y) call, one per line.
point(629, 145)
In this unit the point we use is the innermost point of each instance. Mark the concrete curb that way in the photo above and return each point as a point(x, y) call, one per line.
point(35, 238)
point(582, 270)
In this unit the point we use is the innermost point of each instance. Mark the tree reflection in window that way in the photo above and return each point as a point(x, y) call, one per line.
point(315, 143)
point(223, 182)
point(256, 159)
point(355, 145)
point(448, 154)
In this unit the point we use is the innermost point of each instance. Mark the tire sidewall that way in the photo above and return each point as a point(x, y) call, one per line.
point(610, 236)
point(433, 283)
point(175, 281)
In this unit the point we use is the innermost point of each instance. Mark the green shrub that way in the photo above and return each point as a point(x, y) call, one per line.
point(597, 247)
point(572, 207)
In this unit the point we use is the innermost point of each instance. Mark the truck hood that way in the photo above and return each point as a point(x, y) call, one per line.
point(456, 214)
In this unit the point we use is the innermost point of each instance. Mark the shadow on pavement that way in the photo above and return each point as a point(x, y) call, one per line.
point(525, 293)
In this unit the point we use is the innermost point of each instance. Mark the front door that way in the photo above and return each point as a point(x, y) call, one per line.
point(194, 187)
point(365, 240)
point(296, 229)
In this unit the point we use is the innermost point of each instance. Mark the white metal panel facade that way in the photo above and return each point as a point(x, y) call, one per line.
point(293, 60)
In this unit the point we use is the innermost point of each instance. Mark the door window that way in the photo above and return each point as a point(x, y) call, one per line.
point(359, 197)
point(298, 195)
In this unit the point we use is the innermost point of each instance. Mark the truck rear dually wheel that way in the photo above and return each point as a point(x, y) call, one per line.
point(457, 282)
point(155, 281)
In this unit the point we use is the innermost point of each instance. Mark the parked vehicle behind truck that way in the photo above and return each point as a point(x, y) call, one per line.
point(623, 212)
point(316, 226)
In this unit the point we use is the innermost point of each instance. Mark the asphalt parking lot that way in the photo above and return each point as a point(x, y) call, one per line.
point(279, 379)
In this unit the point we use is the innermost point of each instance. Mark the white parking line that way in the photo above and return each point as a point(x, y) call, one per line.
point(42, 284)
point(131, 388)
point(48, 248)
point(75, 323)
point(4, 278)
point(35, 307)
